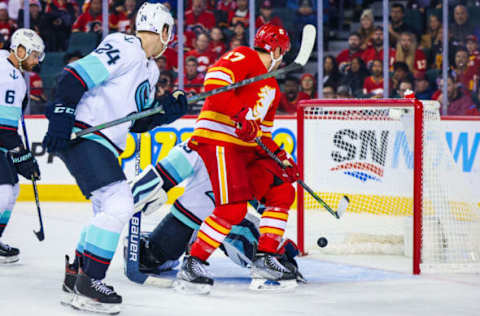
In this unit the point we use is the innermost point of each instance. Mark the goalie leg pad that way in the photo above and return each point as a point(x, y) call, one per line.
point(148, 194)
point(241, 243)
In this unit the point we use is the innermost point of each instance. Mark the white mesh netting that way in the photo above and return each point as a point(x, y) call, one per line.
point(366, 152)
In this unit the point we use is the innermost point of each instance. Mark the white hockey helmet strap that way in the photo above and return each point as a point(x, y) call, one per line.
point(30, 40)
point(153, 17)
point(274, 61)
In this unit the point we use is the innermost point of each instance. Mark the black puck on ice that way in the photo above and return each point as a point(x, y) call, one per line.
point(322, 242)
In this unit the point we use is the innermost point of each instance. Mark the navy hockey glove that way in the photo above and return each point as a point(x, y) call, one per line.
point(25, 163)
point(61, 119)
point(174, 105)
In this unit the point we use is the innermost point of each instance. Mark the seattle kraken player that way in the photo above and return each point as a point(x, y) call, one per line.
point(26, 51)
point(116, 79)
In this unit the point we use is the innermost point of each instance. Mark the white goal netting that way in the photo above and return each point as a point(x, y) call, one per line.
point(366, 150)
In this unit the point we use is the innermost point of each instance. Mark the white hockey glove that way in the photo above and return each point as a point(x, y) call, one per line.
point(148, 194)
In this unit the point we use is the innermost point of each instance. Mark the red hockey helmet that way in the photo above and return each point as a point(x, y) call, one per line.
point(270, 36)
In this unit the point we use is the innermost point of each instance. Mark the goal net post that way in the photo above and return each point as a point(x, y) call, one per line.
point(407, 195)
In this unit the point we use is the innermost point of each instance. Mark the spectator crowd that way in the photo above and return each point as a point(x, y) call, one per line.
point(415, 57)
point(214, 26)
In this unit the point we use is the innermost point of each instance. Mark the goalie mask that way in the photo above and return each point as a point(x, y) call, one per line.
point(29, 40)
point(153, 17)
point(269, 37)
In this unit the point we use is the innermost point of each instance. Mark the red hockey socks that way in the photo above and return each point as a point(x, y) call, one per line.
point(211, 234)
point(272, 228)
point(215, 228)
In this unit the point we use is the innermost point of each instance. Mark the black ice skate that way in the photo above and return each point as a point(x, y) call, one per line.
point(193, 278)
point(95, 296)
point(8, 254)
point(269, 274)
point(69, 282)
point(292, 265)
point(71, 273)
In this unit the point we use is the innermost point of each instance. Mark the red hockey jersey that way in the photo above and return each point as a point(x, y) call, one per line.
point(214, 123)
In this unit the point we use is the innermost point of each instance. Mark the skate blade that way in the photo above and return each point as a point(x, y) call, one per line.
point(159, 282)
point(83, 303)
point(185, 287)
point(272, 286)
point(66, 298)
point(8, 260)
point(265, 274)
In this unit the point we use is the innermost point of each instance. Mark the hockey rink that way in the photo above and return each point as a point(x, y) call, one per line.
point(33, 286)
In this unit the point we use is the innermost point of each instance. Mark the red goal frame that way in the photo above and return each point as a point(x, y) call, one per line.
point(417, 162)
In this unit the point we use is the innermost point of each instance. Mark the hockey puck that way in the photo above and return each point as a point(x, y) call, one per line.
point(322, 242)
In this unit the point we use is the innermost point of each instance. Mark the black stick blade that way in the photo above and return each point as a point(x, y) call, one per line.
point(40, 235)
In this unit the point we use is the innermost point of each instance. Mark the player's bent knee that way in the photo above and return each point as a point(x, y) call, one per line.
point(121, 201)
point(232, 213)
point(281, 196)
point(16, 190)
point(116, 202)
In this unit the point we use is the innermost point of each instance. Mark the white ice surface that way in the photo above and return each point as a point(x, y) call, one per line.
point(33, 286)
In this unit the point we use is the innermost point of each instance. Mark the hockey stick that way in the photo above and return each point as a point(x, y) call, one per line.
point(308, 40)
point(132, 253)
point(342, 206)
point(134, 229)
point(40, 234)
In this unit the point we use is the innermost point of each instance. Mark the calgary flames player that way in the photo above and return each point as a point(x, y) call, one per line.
point(224, 137)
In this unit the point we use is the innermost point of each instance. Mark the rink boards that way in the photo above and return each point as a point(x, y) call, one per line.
point(462, 136)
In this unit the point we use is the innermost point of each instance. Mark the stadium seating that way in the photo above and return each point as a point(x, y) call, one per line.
point(83, 42)
point(50, 68)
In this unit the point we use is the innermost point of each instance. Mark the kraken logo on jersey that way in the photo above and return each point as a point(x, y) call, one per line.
point(14, 75)
point(142, 96)
point(129, 38)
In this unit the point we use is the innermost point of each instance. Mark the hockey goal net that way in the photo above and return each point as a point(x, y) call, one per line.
point(407, 196)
